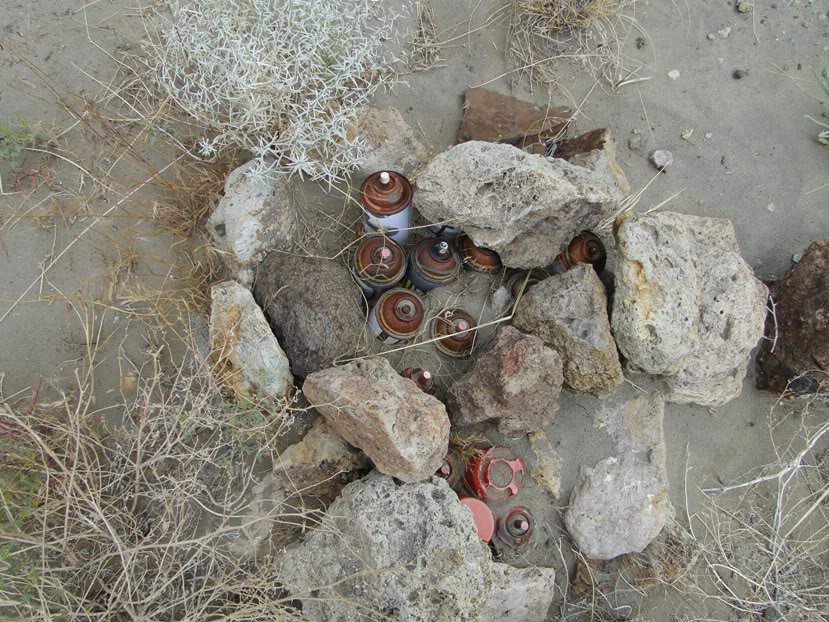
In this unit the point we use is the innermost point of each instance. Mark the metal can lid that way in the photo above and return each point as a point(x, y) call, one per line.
point(478, 258)
point(586, 247)
point(400, 312)
point(484, 520)
point(456, 330)
point(386, 198)
point(437, 259)
point(381, 259)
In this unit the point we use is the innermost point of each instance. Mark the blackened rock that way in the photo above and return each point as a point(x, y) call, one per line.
point(313, 306)
point(800, 360)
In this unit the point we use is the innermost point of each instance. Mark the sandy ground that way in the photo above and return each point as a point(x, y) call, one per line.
point(752, 158)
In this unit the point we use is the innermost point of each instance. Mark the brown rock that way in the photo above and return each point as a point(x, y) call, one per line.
point(497, 118)
point(594, 150)
point(800, 360)
point(517, 382)
point(403, 430)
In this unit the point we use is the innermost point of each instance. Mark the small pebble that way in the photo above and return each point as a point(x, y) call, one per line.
point(711, 36)
point(673, 74)
point(636, 130)
point(724, 32)
point(796, 258)
point(635, 143)
point(686, 134)
point(770, 207)
point(739, 74)
point(708, 135)
point(745, 7)
point(662, 158)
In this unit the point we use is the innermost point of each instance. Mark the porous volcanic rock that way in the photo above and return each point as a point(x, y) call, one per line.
point(391, 143)
point(525, 207)
point(403, 430)
point(595, 150)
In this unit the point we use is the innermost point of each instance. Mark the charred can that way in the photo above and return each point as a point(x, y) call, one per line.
point(378, 264)
point(516, 281)
point(444, 230)
point(495, 475)
point(516, 527)
point(422, 378)
point(397, 316)
point(451, 470)
point(455, 330)
point(433, 263)
point(387, 200)
point(484, 520)
point(584, 248)
point(477, 258)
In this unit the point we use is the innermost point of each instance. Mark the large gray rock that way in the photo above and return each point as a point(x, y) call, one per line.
point(408, 553)
point(403, 430)
point(391, 144)
point(569, 313)
point(517, 382)
point(320, 464)
point(255, 215)
point(313, 306)
point(248, 357)
point(620, 505)
point(686, 305)
point(525, 207)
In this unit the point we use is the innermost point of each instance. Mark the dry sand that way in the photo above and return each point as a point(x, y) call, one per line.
point(752, 158)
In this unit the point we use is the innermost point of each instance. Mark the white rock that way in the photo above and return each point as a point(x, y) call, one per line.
point(391, 143)
point(249, 359)
point(519, 594)
point(724, 32)
point(255, 215)
point(673, 74)
point(662, 158)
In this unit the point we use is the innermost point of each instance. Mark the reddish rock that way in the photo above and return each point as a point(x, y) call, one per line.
point(800, 359)
point(594, 150)
point(497, 118)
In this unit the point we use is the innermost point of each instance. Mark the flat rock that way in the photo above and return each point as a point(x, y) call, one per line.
point(406, 552)
point(319, 465)
point(391, 144)
point(525, 207)
point(403, 430)
point(496, 118)
point(314, 308)
point(253, 217)
point(248, 357)
point(620, 505)
point(686, 306)
point(569, 313)
point(517, 382)
point(795, 355)
point(595, 150)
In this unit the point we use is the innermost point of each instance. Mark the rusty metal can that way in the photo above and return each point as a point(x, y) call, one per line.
point(516, 281)
point(433, 262)
point(478, 258)
point(484, 520)
point(516, 527)
point(495, 475)
point(422, 378)
point(455, 330)
point(378, 264)
point(584, 248)
point(397, 316)
point(451, 470)
point(386, 197)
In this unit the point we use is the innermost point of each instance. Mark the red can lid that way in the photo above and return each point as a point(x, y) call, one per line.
point(484, 520)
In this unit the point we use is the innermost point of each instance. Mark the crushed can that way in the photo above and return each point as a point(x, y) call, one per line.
point(477, 258)
point(584, 248)
point(455, 330)
point(516, 527)
point(378, 264)
point(433, 263)
point(451, 470)
point(386, 198)
point(397, 316)
point(484, 520)
point(422, 378)
point(516, 281)
point(495, 475)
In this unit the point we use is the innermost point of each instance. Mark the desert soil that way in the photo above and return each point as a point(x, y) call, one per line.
point(752, 158)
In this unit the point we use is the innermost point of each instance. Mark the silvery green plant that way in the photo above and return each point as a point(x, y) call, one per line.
point(283, 79)
point(823, 81)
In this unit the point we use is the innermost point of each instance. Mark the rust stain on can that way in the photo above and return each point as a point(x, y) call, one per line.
point(516, 527)
point(455, 329)
point(584, 248)
point(476, 257)
point(400, 313)
point(423, 378)
point(385, 199)
point(434, 263)
point(379, 263)
point(515, 282)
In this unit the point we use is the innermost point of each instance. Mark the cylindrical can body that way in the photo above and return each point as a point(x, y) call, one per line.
point(477, 258)
point(422, 378)
point(444, 230)
point(433, 262)
point(516, 282)
point(516, 527)
point(397, 316)
point(451, 470)
point(386, 197)
point(378, 264)
point(586, 247)
point(455, 331)
point(495, 475)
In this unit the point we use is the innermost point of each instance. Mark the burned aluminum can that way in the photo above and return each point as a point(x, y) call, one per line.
point(444, 230)
point(451, 470)
point(495, 475)
point(516, 527)
point(516, 281)
point(455, 330)
point(397, 316)
point(484, 520)
point(379, 263)
point(433, 262)
point(422, 378)
point(584, 248)
point(478, 258)
point(386, 197)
